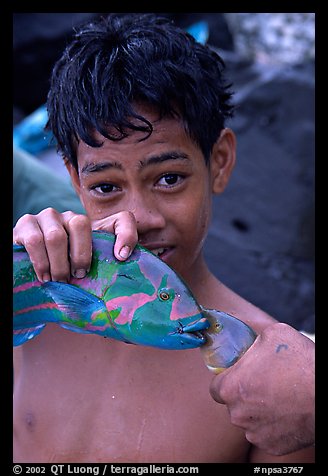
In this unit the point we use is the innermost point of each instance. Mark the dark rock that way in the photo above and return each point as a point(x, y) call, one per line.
point(38, 41)
point(264, 221)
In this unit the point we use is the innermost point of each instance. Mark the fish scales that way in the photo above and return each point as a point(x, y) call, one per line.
point(141, 300)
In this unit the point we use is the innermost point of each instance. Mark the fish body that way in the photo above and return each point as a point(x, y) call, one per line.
point(140, 300)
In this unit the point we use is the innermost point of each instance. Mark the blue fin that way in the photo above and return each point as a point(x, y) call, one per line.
point(22, 335)
point(75, 302)
point(18, 247)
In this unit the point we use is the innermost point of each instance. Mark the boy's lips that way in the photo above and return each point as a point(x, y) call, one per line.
point(160, 250)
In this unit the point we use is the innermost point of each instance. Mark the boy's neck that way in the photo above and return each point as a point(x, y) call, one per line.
point(200, 280)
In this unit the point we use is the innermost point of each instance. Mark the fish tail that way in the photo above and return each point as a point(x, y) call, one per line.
point(33, 308)
point(20, 336)
point(30, 320)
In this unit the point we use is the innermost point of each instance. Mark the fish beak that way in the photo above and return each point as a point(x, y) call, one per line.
point(193, 333)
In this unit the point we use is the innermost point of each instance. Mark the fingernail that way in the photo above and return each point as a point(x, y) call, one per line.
point(125, 252)
point(46, 277)
point(79, 273)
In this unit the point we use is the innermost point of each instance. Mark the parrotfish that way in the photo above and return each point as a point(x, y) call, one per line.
point(139, 301)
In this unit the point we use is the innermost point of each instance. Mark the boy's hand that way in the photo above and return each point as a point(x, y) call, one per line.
point(59, 244)
point(277, 414)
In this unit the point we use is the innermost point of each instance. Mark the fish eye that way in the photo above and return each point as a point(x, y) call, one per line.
point(164, 294)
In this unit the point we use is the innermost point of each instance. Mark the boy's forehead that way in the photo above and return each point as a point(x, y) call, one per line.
point(167, 134)
point(152, 115)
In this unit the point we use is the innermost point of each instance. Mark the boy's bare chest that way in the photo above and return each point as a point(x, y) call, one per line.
point(130, 405)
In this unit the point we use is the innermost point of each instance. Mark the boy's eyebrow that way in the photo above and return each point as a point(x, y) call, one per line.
point(155, 159)
point(92, 167)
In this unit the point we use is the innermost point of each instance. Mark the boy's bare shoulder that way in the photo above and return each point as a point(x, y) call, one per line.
point(217, 295)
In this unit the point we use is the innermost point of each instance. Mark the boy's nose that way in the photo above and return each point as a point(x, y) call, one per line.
point(147, 214)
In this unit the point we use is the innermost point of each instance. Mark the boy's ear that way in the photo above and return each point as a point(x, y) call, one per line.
point(222, 160)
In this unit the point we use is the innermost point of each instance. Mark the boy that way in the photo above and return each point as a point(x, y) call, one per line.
point(138, 109)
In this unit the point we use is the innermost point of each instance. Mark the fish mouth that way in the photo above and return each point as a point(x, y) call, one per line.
point(193, 333)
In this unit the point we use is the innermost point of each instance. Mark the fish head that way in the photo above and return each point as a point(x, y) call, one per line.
point(156, 307)
point(172, 319)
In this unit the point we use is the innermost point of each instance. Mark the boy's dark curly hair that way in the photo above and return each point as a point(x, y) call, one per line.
point(121, 60)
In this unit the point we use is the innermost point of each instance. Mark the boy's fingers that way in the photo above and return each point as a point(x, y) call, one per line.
point(60, 244)
point(124, 226)
point(78, 228)
point(56, 242)
point(33, 241)
point(125, 229)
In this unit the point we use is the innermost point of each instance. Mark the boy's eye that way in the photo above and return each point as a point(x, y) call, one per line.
point(104, 188)
point(170, 180)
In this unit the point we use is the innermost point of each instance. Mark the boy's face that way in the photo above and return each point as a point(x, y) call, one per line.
point(162, 180)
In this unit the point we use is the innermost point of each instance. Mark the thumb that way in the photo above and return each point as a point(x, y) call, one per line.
point(216, 386)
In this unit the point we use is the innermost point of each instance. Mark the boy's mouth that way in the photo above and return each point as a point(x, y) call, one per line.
point(157, 248)
point(159, 251)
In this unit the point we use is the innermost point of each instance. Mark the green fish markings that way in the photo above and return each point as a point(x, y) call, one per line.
point(140, 301)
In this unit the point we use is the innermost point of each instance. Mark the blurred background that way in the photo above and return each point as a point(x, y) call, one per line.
point(261, 242)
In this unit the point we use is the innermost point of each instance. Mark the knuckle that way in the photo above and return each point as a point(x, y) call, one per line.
point(55, 236)
point(25, 218)
point(274, 330)
point(282, 326)
point(48, 212)
point(234, 420)
point(33, 240)
point(236, 417)
point(129, 216)
point(126, 226)
point(79, 222)
point(25, 221)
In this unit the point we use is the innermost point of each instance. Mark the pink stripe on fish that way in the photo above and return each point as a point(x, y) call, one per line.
point(180, 310)
point(24, 287)
point(128, 304)
point(95, 327)
point(39, 307)
point(94, 286)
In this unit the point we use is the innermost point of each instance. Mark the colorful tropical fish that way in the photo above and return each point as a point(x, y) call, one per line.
point(140, 300)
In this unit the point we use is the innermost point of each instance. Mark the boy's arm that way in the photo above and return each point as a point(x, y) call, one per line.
point(59, 244)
